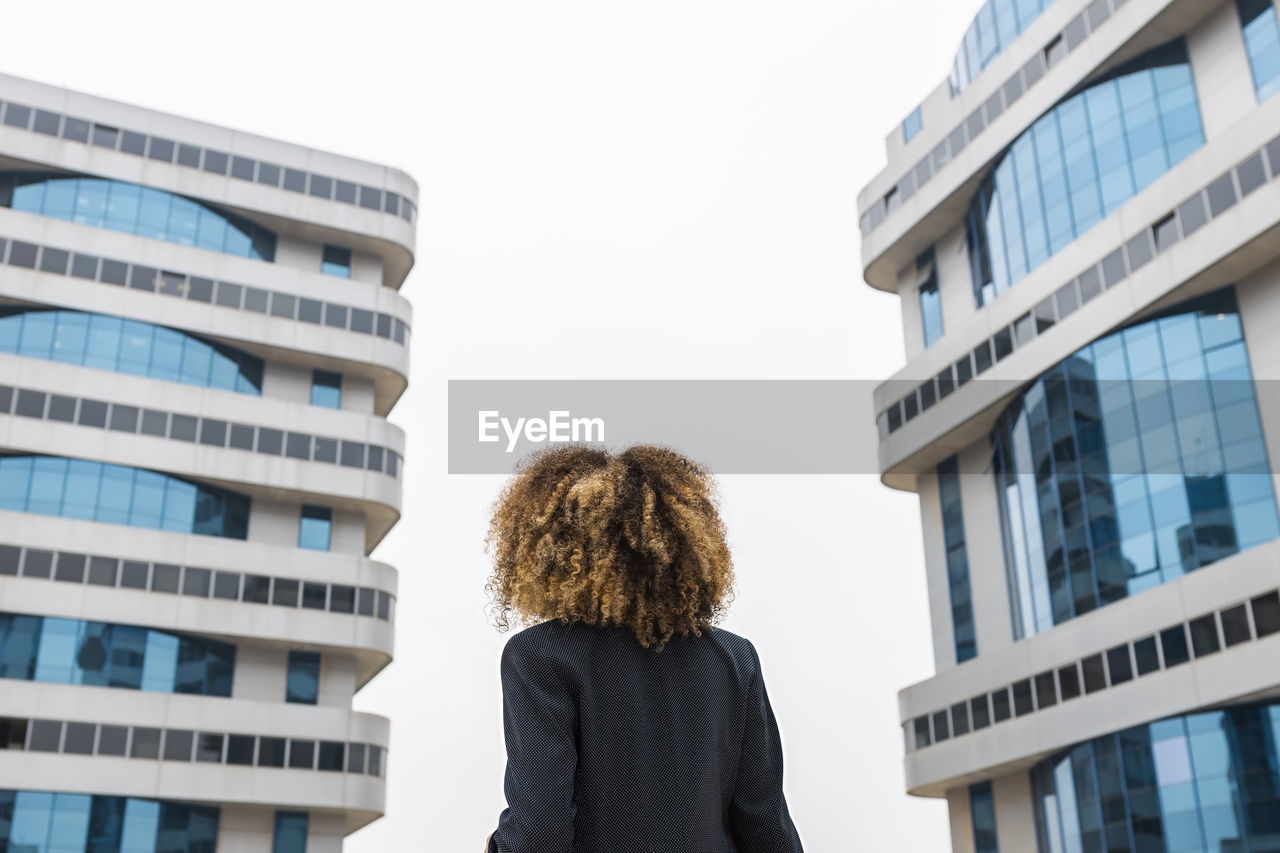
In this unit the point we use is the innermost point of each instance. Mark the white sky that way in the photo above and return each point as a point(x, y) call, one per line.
point(609, 190)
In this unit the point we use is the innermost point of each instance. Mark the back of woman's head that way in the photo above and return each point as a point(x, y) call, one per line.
point(632, 539)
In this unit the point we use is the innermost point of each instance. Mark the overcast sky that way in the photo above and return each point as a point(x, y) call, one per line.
point(608, 190)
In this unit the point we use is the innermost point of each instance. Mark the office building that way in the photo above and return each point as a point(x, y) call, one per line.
point(201, 337)
point(1083, 226)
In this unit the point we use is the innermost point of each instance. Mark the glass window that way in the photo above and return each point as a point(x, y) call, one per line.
point(303, 683)
point(982, 807)
point(336, 261)
point(930, 304)
point(290, 833)
point(129, 346)
point(326, 389)
point(138, 210)
point(912, 125)
point(315, 527)
point(61, 823)
point(1078, 163)
point(68, 651)
point(957, 561)
point(98, 491)
point(1258, 18)
point(1116, 470)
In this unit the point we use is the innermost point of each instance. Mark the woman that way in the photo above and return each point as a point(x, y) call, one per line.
point(632, 724)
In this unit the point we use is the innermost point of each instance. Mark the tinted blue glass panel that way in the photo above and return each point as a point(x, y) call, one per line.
point(912, 125)
point(315, 527)
point(326, 389)
point(1208, 781)
point(930, 299)
point(128, 346)
point(994, 28)
point(138, 210)
point(1262, 41)
point(1135, 460)
point(303, 684)
point(52, 485)
point(99, 654)
point(336, 261)
point(982, 811)
point(962, 621)
point(1078, 163)
point(290, 833)
point(41, 822)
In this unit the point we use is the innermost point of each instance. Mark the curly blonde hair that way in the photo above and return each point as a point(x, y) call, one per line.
point(632, 540)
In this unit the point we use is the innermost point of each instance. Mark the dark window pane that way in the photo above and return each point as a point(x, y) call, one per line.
point(1266, 614)
point(145, 743)
point(30, 404)
point(215, 161)
point(268, 174)
point(209, 747)
point(302, 754)
point(241, 167)
point(1069, 682)
point(1173, 642)
point(112, 740)
point(226, 585)
point(361, 321)
point(134, 574)
point(1095, 676)
point(271, 752)
point(164, 578)
point(257, 588)
point(941, 728)
point(384, 606)
point(295, 181)
point(200, 289)
point(93, 413)
point(1144, 651)
point(1046, 692)
point(298, 446)
point(1252, 174)
point(960, 719)
point(22, 254)
point(240, 749)
point(1003, 341)
point(133, 143)
point(1119, 665)
point(45, 736)
point(70, 567)
point(196, 582)
point(326, 450)
point(331, 756)
point(105, 137)
point(384, 325)
point(229, 294)
point(283, 305)
point(355, 758)
point(54, 260)
point(1139, 249)
point(124, 418)
point(313, 595)
point(79, 738)
point(17, 116)
point(371, 198)
point(75, 129)
point(345, 192)
point(189, 155)
point(255, 299)
point(103, 570)
point(37, 563)
point(342, 599)
point(1235, 625)
point(1022, 703)
point(321, 187)
point(84, 266)
point(921, 726)
point(183, 428)
point(155, 423)
point(1222, 194)
point(981, 357)
point(1001, 708)
point(178, 744)
point(270, 441)
point(9, 557)
point(366, 601)
point(213, 432)
point(161, 149)
point(241, 437)
point(336, 316)
point(285, 593)
point(60, 408)
point(979, 712)
point(1204, 636)
point(309, 310)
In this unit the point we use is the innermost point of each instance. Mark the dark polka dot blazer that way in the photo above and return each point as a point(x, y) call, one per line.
point(612, 748)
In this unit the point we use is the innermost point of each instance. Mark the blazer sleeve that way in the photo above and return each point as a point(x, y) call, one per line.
point(758, 812)
point(540, 722)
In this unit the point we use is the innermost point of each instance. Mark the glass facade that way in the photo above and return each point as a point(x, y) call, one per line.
point(117, 494)
point(302, 686)
point(1202, 782)
point(326, 389)
point(41, 822)
point(71, 651)
point(315, 527)
point(135, 209)
point(997, 24)
point(982, 812)
point(1133, 461)
point(1262, 42)
point(336, 261)
point(128, 346)
point(1078, 163)
point(290, 833)
point(962, 623)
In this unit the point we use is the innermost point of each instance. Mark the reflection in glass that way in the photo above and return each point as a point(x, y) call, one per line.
point(117, 494)
point(128, 346)
point(134, 209)
point(99, 654)
point(1208, 781)
point(994, 28)
point(1078, 163)
point(43, 822)
point(1262, 42)
point(1135, 460)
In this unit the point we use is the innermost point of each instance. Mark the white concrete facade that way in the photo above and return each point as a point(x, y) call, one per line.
point(337, 603)
point(1237, 247)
